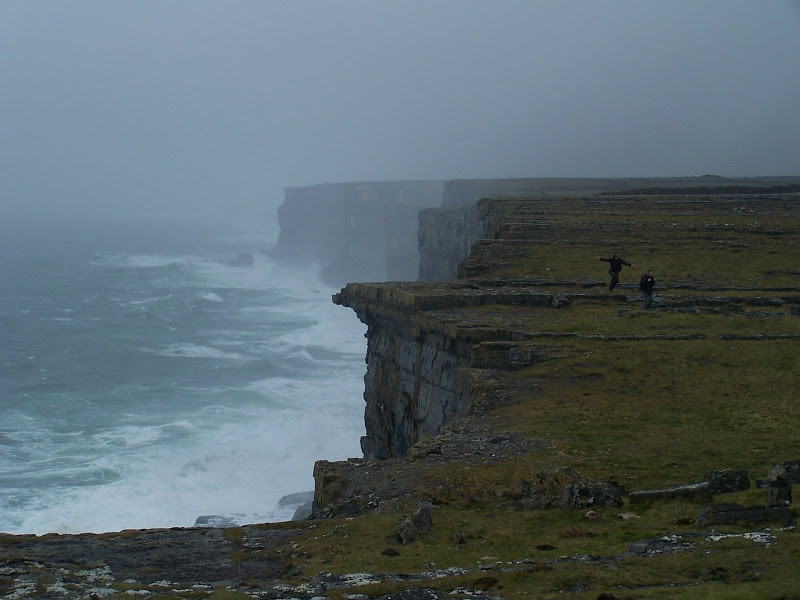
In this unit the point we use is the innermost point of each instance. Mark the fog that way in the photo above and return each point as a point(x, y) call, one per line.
point(210, 108)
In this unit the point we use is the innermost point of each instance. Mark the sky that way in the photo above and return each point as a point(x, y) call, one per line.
point(123, 108)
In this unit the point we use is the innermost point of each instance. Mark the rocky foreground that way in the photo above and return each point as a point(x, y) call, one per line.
point(531, 433)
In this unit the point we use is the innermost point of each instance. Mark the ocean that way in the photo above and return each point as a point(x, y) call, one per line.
point(151, 373)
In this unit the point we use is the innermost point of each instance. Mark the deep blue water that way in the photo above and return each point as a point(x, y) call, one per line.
point(146, 379)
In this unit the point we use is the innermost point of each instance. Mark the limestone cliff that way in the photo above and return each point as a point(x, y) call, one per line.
point(445, 237)
point(363, 231)
point(413, 384)
point(526, 385)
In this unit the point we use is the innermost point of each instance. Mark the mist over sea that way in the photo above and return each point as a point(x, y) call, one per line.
point(149, 375)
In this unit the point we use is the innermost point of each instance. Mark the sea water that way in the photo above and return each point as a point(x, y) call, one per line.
point(152, 373)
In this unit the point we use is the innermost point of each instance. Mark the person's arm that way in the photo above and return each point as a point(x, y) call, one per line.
point(604, 259)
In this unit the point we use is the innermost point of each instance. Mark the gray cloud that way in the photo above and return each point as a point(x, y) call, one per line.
point(212, 107)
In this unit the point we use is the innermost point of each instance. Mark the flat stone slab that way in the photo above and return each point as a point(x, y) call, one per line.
point(736, 514)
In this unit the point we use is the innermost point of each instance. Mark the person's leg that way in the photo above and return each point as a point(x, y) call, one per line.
point(648, 300)
point(614, 281)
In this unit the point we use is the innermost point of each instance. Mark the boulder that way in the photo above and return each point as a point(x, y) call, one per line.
point(728, 480)
point(590, 494)
point(779, 493)
point(417, 524)
point(789, 470)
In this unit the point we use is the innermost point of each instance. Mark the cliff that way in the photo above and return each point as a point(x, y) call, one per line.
point(364, 231)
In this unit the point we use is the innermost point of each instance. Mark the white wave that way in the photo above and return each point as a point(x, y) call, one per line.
point(193, 351)
point(262, 454)
point(129, 436)
point(211, 297)
point(141, 261)
point(335, 327)
point(144, 301)
point(265, 274)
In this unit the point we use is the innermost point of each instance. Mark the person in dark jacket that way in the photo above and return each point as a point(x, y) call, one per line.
point(614, 267)
point(647, 284)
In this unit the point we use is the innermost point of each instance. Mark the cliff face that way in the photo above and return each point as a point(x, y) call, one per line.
point(355, 231)
point(445, 237)
point(415, 381)
point(412, 389)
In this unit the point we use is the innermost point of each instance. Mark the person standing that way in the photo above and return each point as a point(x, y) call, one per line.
point(614, 267)
point(647, 284)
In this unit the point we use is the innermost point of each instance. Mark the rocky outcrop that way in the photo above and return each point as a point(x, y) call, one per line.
point(150, 563)
point(736, 514)
point(362, 231)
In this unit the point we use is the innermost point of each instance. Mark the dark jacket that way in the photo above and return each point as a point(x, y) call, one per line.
point(616, 263)
point(647, 283)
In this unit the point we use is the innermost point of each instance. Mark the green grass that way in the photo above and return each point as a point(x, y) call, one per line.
point(662, 412)
point(534, 552)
